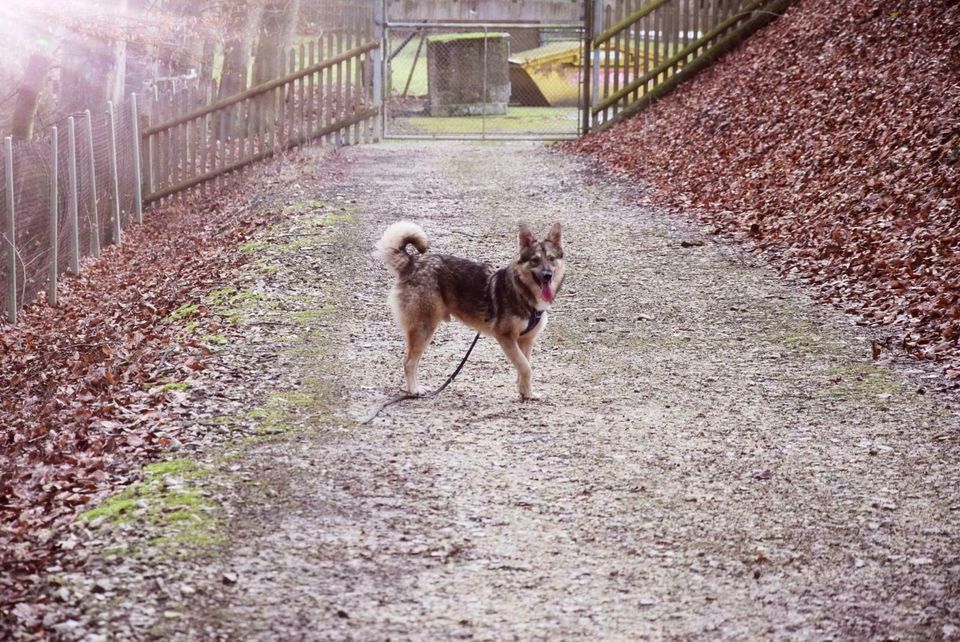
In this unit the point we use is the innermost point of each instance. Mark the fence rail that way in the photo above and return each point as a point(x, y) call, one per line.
point(68, 193)
point(309, 100)
point(642, 49)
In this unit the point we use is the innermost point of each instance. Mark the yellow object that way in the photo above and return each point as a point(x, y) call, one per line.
point(549, 76)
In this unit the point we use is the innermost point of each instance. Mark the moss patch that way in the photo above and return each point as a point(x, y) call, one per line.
point(803, 338)
point(306, 206)
point(184, 311)
point(234, 303)
point(170, 502)
point(864, 381)
point(176, 386)
point(252, 247)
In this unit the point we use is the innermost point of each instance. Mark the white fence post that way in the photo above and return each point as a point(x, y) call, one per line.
point(111, 121)
point(11, 234)
point(138, 180)
point(73, 218)
point(94, 215)
point(54, 215)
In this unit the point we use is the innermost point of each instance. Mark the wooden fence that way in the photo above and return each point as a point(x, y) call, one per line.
point(314, 95)
point(642, 49)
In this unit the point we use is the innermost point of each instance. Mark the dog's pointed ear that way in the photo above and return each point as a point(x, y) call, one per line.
point(527, 237)
point(554, 235)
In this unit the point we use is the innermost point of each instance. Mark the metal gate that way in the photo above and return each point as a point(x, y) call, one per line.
point(487, 81)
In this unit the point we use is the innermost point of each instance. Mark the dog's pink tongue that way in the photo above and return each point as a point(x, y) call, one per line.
point(547, 293)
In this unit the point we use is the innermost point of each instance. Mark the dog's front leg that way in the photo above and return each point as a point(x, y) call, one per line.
point(524, 372)
point(526, 347)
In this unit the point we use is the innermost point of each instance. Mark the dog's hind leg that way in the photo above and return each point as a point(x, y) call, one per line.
point(519, 360)
point(418, 338)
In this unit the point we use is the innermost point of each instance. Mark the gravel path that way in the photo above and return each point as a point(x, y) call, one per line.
point(713, 456)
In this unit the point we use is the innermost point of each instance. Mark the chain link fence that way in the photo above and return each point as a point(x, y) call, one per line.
point(489, 80)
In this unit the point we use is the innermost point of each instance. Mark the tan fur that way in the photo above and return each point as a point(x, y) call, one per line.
point(434, 288)
point(390, 246)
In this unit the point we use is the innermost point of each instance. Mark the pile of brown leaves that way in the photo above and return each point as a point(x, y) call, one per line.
point(80, 403)
point(830, 139)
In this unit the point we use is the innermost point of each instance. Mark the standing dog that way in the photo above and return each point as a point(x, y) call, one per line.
point(509, 304)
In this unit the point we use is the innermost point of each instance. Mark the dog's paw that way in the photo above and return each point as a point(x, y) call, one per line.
point(416, 392)
point(529, 397)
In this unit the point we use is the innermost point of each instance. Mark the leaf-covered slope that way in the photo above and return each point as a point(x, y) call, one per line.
point(832, 139)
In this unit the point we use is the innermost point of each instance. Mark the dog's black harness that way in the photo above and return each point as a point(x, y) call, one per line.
point(535, 314)
point(534, 321)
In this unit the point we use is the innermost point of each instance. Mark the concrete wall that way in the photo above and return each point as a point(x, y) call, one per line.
point(455, 75)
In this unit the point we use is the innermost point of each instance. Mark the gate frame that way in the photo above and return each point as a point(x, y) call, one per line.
point(579, 28)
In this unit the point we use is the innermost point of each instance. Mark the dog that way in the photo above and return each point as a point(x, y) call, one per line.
point(509, 304)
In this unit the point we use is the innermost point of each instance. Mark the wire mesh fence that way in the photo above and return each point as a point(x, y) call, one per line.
point(64, 201)
point(489, 80)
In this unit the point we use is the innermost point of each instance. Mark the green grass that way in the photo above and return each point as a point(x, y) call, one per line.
point(473, 35)
point(233, 302)
point(517, 120)
point(401, 65)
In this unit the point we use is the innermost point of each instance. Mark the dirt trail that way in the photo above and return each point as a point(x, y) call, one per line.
point(713, 456)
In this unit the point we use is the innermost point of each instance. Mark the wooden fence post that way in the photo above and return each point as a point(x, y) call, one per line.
point(94, 215)
point(112, 124)
point(138, 176)
point(11, 233)
point(73, 218)
point(379, 20)
point(152, 143)
point(339, 110)
point(54, 215)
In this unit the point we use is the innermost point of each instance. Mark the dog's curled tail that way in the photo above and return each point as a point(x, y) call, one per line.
point(392, 246)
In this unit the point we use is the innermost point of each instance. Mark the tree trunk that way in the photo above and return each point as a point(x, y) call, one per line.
point(92, 71)
point(278, 28)
point(117, 77)
point(143, 57)
point(28, 95)
point(82, 72)
point(209, 55)
point(244, 19)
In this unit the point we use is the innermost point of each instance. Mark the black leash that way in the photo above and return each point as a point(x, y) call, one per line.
point(429, 395)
